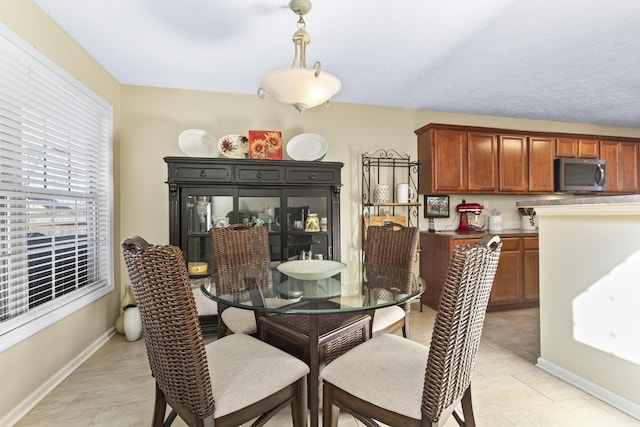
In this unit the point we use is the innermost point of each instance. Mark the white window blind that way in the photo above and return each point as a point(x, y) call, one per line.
point(55, 193)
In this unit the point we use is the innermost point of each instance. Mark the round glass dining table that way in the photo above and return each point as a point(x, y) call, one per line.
point(313, 288)
point(324, 287)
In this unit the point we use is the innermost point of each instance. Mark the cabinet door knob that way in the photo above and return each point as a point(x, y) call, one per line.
point(203, 173)
point(259, 175)
point(312, 176)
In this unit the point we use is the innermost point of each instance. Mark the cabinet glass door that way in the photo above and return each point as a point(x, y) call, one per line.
point(262, 207)
point(302, 237)
point(203, 210)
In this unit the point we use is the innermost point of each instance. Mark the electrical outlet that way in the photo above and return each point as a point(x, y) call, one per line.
point(485, 203)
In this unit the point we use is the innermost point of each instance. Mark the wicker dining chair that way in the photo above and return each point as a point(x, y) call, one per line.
point(395, 246)
point(228, 382)
point(400, 382)
point(233, 248)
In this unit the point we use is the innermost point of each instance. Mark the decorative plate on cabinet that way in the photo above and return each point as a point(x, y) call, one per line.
point(307, 146)
point(197, 143)
point(234, 146)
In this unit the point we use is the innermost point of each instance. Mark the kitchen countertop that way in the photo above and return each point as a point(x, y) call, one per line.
point(512, 232)
point(587, 205)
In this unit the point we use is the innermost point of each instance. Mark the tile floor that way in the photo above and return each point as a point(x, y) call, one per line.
point(114, 387)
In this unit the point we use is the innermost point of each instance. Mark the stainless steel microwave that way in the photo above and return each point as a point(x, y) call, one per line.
point(580, 175)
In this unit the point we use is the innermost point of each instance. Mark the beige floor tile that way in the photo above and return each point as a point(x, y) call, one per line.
point(114, 387)
point(495, 363)
point(497, 394)
point(548, 385)
point(577, 412)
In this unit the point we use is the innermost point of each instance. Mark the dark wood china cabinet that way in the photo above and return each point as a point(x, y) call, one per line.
point(215, 192)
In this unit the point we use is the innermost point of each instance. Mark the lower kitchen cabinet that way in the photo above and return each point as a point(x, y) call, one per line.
point(516, 281)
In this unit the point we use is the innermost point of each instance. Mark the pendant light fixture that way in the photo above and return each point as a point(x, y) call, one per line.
point(299, 86)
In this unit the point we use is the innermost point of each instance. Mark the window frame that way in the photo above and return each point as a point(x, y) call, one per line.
point(16, 329)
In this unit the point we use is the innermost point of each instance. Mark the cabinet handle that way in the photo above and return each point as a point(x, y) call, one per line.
point(203, 173)
point(312, 176)
point(259, 175)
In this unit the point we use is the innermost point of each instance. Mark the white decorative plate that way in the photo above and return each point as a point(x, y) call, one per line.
point(197, 143)
point(307, 146)
point(234, 146)
point(311, 269)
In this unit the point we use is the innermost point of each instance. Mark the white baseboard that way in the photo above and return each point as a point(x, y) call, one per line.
point(41, 392)
point(624, 405)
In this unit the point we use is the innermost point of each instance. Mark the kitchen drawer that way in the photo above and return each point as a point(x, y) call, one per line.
point(531, 243)
point(207, 173)
point(511, 244)
point(260, 174)
point(311, 175)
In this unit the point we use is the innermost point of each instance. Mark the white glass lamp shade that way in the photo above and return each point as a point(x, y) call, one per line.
point(300, 87)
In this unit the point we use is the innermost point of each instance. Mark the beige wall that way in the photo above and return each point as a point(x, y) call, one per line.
point(31, 364)
point(147, 124)
point(153, 118)
point(588, 302)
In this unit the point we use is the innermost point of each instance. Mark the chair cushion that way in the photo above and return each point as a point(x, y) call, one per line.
point(243, 321)
point(386, 316)
point(204, 305)
point(245, 370)
point(239, 320)
point(387, 371)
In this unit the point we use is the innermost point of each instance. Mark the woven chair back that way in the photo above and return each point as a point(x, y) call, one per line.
point(241, 259)
point(171, 328)
point(238, 246)
point(393, 246)
point(458, 324)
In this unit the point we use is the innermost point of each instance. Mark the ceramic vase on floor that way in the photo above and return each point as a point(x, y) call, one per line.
point(127, 300)
point(132, 323)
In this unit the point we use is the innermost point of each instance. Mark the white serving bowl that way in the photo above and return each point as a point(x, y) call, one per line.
point(311, 269)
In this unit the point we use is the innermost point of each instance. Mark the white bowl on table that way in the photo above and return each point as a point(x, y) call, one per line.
point(311, 269)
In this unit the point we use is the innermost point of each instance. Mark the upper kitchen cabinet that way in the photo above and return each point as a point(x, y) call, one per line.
point(622, 166)
point(541, 155)
point(513, 163)
point(458, 159)
point(580, 148)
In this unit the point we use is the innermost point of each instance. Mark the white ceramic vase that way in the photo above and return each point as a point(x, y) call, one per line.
point(528, 222)
point(381, 193)
point(132, 324)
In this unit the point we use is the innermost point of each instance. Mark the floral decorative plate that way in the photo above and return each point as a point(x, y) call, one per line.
point(307, 146)
point(197, 143)
point(234, 146)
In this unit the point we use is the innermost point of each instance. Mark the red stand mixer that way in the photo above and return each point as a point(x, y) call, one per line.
point(470, 220)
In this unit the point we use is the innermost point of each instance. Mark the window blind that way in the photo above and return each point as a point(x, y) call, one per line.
point(55, 192)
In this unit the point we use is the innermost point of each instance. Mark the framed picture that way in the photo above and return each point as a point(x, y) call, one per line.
point(265, 144)
point(436, 206)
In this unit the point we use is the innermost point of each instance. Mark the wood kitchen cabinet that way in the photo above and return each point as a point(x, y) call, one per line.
point(541, 154)
point(516, 281)
point(508, 283)
point(580, 148)
point(459, 159)
point(531, 268)
point(622, 166)
point(513, 163)
point(482, 161)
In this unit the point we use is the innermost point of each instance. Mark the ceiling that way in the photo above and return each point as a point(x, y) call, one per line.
point(561, 60)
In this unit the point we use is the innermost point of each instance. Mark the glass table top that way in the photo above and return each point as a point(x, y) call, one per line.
point(357, 287)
